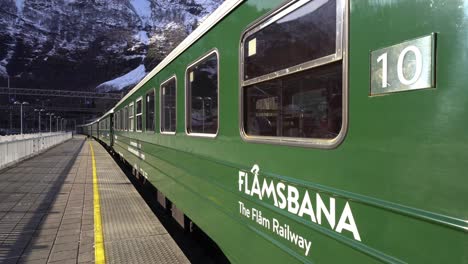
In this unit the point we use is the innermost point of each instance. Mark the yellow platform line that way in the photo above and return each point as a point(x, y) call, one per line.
point(99, 253)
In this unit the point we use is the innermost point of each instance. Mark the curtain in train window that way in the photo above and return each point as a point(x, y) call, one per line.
point(202, 96)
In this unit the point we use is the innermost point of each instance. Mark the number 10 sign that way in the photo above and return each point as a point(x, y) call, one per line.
point(402, 67)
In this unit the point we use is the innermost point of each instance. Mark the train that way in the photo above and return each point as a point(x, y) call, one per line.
point(310, 131)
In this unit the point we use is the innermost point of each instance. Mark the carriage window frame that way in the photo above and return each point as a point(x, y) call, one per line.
point(153, 91)
point(131, 118)
point(121, 115)
point(341, 54)
point(118, 126)
point(125, 118)
point(117, 120)
point(136, 114)
point(161, 107)
point(187, 109)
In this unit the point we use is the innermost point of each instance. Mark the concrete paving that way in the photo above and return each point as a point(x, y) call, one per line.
point(132, 232)
point(46, 206)
point(47, 213)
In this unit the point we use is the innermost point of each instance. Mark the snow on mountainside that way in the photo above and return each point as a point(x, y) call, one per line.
point(143, 10)
point(123, 81)
point(80, 44)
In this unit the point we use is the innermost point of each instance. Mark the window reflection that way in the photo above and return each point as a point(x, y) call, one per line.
point(150, 110)
point(139, 116)
point(168, 106)
point(307, 104)
point(203, 93)
point(305, 34)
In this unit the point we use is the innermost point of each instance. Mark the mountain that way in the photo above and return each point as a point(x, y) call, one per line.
point(82, 44)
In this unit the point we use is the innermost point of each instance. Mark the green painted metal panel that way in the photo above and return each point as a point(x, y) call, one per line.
point(401, 168)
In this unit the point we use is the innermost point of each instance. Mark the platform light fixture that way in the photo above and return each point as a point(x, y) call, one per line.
point(57, 119)
point(21, 112)
point(50, 121)
point(39, 112)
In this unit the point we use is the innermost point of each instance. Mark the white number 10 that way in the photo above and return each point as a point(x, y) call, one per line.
point(401, 77)
point(383, 58)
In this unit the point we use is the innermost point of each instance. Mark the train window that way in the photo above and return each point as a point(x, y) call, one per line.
point(131, 112)
point(150, 110)
point(202, 96)
point(139, 115)
point(118, 125)
point(120, 119)
point(125, 118)
point(293, 90)
point(121, 114)
point(303, 105)
point(290, 38)
point(117, 120)
point(168, 106)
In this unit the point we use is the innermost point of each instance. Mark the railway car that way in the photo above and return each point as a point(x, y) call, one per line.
point(326, 131)
point(105, 124)
point(94, 130)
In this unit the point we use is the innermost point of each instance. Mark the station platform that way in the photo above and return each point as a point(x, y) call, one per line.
point(73, 204)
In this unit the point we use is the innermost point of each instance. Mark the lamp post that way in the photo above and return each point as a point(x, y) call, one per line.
point(50, 121)
point(39, 112)
point(57, 118)
point(21, 112)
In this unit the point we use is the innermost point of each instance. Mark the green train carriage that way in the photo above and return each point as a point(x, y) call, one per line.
point(105, 124)
point(312, 131)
